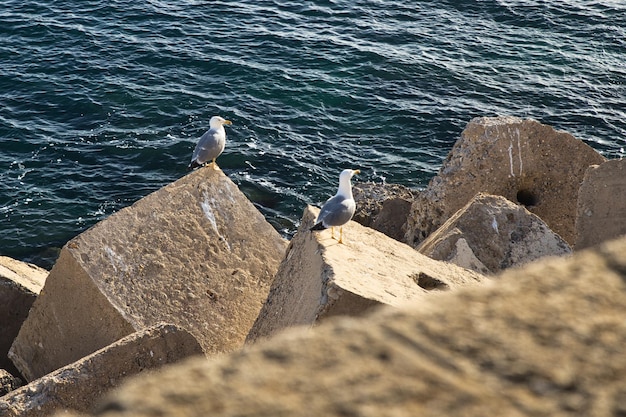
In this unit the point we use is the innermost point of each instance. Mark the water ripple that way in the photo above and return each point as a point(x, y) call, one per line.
point(101, 104)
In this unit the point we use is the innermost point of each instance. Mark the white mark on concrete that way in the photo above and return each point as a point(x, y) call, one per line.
point(494, 225)
point(116, 260)
point(207, 208)
point(208, 212)
point(511, 158)
point(519, 151)
point(227, 191)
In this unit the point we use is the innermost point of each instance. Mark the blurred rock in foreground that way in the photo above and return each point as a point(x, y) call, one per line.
point(543, 340)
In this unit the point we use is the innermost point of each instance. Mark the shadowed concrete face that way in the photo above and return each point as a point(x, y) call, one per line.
point(20, 284)
point(195, 253)
point(602, 204)
point(490, 234)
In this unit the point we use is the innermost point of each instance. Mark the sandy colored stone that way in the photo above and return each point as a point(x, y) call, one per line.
point(78, 385)
point(601, 210)
point(195, 253)
point(490, 234)
point(8, 382)
point(520, 159)
point(543, 340)
point(383, 207)
point(20, 283)
point(27, 275)
point(320, 278)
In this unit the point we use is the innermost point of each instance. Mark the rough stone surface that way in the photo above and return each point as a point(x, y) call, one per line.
point(383, 207)
point(522, 160)
point(196, 253)
point(8, 382)
point(20, 283)
point(544, 340)
point(602, 204)
point(77, 386)
point(490, 234)
point(320, 278)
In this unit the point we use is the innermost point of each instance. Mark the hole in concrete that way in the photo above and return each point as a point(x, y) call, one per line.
point(526, 198)
point(429, 283)
point(112, 406)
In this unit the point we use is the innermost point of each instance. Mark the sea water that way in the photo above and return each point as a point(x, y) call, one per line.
point(102, 102)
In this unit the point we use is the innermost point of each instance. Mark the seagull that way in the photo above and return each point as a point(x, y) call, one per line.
point(338, 210)
point(211, 144)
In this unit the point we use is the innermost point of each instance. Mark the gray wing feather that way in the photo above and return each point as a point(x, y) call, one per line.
point(209, 146)
point(337, 211)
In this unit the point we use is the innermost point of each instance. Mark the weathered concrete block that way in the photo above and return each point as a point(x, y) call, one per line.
point(320, 278)
point(543, 340)
point(490, 234)
point(383, 207)
point(601, 210)
point(77, 386)
point(8, 382)
point(20, 283)
point(522, 160)
point(196, 253)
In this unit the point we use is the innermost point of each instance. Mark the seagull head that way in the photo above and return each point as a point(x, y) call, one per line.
point(218, 121)
point(344, 181)
point(346, 174)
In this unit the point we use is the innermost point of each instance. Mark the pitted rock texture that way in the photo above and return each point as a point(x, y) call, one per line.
point(526, 162)
point(490, 234)
point(195, 253)
point(383, 207)
point(320, 278)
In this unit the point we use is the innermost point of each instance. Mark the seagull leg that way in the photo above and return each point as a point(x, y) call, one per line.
point(332, 232)
point(340, 234)
point(214, 165)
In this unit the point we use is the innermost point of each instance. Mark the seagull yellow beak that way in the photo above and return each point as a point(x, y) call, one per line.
point(356, 171)
point(227, 122)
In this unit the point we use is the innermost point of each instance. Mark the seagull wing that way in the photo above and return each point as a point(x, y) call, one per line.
point(210, 146)
point(337, 211)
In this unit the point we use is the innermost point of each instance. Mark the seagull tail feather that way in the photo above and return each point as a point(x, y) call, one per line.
point(192, 165)
point(318, 226)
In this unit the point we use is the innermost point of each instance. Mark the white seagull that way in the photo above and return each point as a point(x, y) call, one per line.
point(211, 144)
point(338, 210)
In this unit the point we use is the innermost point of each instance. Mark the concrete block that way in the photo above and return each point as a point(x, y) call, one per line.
point(526, 162)
point(320, 278)
point(601, 209)
point(196, 253)
point(490, 234)
point(20, 284)
point(8, 382)
point(79, 385)
point(543, 340)
point(383, 207)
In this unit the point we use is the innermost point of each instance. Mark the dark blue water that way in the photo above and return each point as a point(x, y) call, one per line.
point(101, 102)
